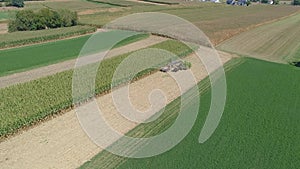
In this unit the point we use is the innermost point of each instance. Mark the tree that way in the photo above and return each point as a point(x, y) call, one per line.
point(264, 1)
point(45, 18)
point(248, 2)
point(68, 18)
point(18, 3)
point(50, 18)
point(296, 2)
point(26, 20)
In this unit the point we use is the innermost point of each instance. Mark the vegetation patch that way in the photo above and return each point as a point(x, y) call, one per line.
point(27, 20)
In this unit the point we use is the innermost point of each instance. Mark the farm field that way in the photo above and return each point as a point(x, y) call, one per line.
point(218, 21)
point(257, 130)
point(30, 37)
point(278, 41)
point(29, 57)
point(74, 5)
point(27, 103)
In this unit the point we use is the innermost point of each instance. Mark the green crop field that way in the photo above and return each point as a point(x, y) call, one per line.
point(278, 41)
point(25, 104)
point(259, 127)
point(29, 57)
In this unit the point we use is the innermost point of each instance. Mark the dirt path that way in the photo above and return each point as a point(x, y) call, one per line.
point(61, 143)
point(67, 65)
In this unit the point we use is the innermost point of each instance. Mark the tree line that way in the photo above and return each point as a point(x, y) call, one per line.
point(16, 3)
point(27, 20)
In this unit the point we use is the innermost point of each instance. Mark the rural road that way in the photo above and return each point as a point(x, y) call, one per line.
point(26, 76)
point(61, 143)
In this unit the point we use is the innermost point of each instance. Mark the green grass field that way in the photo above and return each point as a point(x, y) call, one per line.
point(27, 103)
point(278, 41)
point(259, 127)
point(29, 57)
